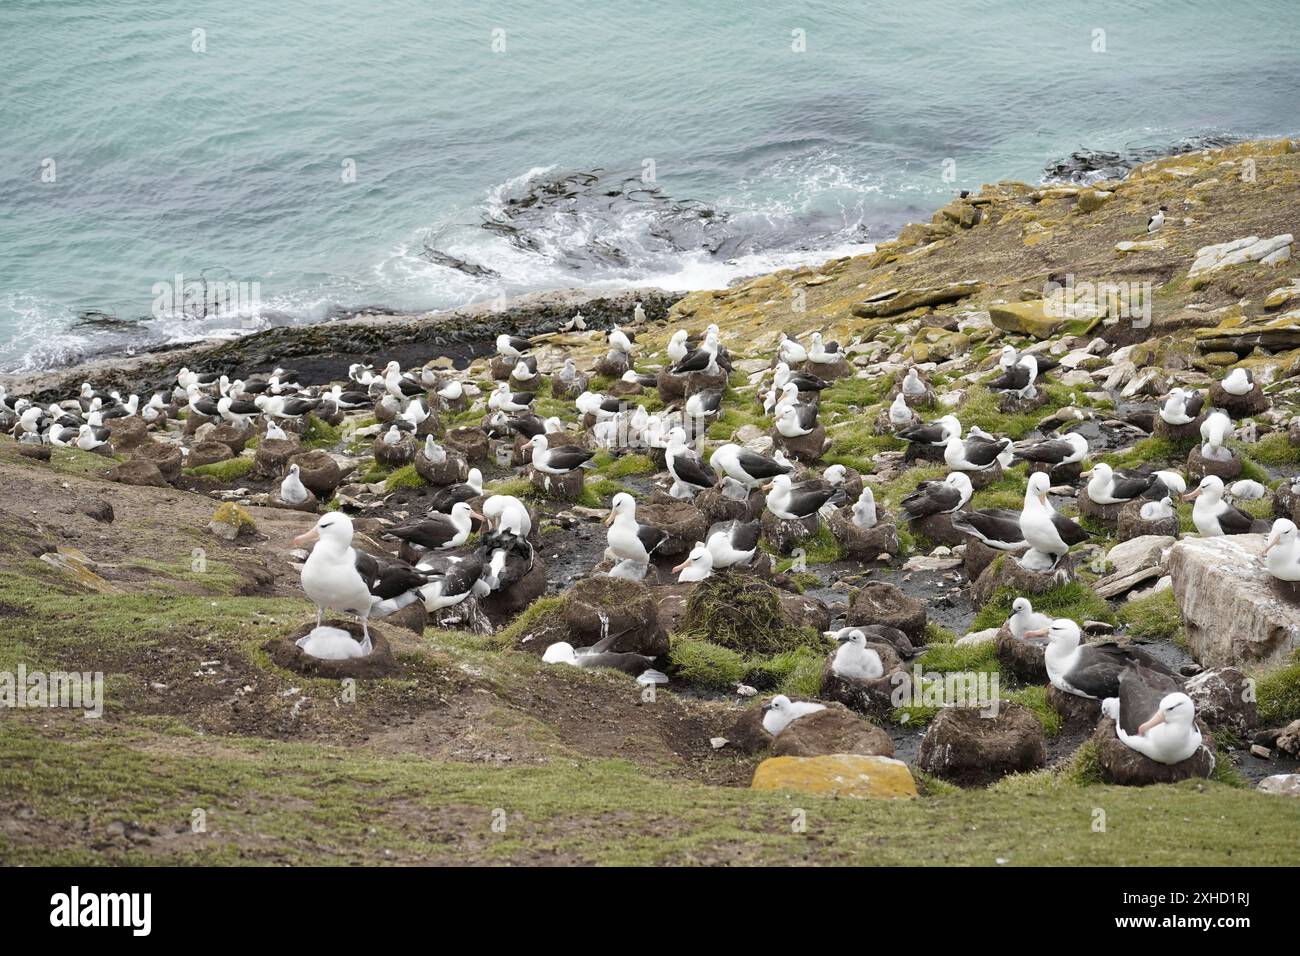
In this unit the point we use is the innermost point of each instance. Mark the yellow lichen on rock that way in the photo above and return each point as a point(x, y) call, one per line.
point(840, 775)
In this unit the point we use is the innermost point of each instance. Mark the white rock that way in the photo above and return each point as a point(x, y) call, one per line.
point(1141, 552)
point(1249, 249)
point(1287, 784)
point(977, 637)
point(717, 743)
point(1232, 611)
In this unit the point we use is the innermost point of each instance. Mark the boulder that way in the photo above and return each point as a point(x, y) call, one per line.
point(1224, 697)
point(1130, 525)
point(864, 545)
point(167, 458)
point(1283, 784)
point(882, 603)
point(208, 453)
point(1019, 658)
point(1198, 466)
point(896, 301)
point(600, 607)
point(230, 521)
point(805, 447)
point(970, 749)
point(838, 775)
point(1036, 318)
point(136, 472)
point(1135, 554)
point(835, 730)
point(787, 535)
point(679, 518)
point(1126, 767)
point(271, 459)
point(1231, 610)
point(318, 471)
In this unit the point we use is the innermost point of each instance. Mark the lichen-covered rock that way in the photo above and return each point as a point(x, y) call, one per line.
point(318, 471)
point(1224, 697)
point(136, 471)
point(230, 521)
point(972, 748)
point(882, 603)
point(1126, 767)
point(1232, 614)
point(839, 775)
point(1283, 784)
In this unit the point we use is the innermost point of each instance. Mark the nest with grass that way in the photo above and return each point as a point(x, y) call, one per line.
point(744, 613)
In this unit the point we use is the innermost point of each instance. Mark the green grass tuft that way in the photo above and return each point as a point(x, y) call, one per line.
point(320, 434)
point(705, 664)
point(1154, 617)
point(404, 477)
point(1277, 693)
point(230, 470)
point(1074, 600)
point(743, 613)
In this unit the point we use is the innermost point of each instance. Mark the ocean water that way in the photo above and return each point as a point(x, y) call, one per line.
point(311, 152)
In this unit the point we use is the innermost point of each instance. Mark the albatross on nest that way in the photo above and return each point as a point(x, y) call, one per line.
point(1087, 670)
point(1212, 515)
point(1049, 534)
point(747, 467)
point(938, 497)
point(780, 711)
point(559, 460)
point(343, 578)
point(1282, 551)
point(1107, 488)
point(853, 660)
point(792, 502)
point(733, 543)
point(628, 539)
point(1153, 716)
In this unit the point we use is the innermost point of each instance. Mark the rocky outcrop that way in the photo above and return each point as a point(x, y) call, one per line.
point(882, 603)
point(1224, 697)
point(1249, 249)
point(839, 775)
point(1232, 609)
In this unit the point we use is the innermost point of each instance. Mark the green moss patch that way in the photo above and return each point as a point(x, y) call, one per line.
point(1155, 617)
point(1277, 693)
point(230, 470)
point(1075, 600)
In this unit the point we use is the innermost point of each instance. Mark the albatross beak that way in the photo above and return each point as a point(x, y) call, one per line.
point(527, 446)
point(682, 567)
point(769, 486)
point(1273, 541)
point(1155, 721)
point(1192, 495)
point(1086, 474)
point(307, 537)
point(609, 519)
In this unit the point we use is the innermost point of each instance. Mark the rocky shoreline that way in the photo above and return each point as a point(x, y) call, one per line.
point(1212, 290)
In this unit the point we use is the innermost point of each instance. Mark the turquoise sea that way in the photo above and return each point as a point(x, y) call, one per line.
point(332, 154)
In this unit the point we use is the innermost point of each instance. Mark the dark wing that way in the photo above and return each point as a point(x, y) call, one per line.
point(1012, 379)
point(931, 497)
point(1128, 487)
point(982, 452)
point(1071, 531)
point(431, 532)
point(1140, 692)
point(520, 344)
point(806, 501)
point(928, 433)
point(1052, 452)
point(694, 471)
point(447, 497)
point(522, 398)
point(1194, 404)
point(991, 525)
point(743, 535)
point(1101, 664)
point(387, 577)
point(806, 415)
point(760, 466)
point(567, 457)
point(528, 425)
point(1234, 520)
point(809, 383)
point(650, 537)
point(696, 361)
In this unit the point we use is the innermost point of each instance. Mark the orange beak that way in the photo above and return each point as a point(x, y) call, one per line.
point(307, 537)
point(1155, 721)
point(1191, 495)
point(683, 566)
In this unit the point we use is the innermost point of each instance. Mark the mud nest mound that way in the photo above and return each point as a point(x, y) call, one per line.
point(743, 613)
point(379, 662)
